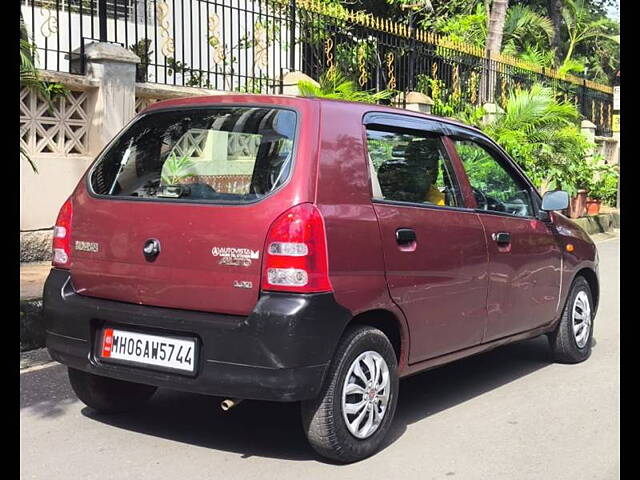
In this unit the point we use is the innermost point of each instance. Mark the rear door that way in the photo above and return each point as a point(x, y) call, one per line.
point(435, 251)
point(179, 207)
point(524, 256)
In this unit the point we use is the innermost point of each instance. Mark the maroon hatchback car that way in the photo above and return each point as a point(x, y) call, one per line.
point(296, 249)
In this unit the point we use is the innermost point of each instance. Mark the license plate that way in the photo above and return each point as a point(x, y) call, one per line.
point(153, 350)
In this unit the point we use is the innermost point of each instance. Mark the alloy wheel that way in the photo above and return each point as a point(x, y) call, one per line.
point(581, 316)
point(365, 394)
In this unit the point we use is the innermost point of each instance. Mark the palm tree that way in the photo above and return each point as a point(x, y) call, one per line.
point(496, 25)
point(542, 135)
point(580, 25)
point(525, 29)
point(554, 10)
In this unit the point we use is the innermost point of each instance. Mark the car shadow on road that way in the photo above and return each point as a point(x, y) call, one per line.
point(269, 429)
point(46, 392)
point(431, 392)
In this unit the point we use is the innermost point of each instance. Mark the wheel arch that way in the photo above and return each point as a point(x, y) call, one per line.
point(392, 326)
point(592, 279)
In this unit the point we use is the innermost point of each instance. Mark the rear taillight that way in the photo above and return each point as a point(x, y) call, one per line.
point(62, 237)
point(295, 253)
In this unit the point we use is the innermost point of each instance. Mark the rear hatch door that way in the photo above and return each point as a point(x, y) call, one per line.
point(176, 212)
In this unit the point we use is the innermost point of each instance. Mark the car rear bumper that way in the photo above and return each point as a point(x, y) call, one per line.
point(279, 352)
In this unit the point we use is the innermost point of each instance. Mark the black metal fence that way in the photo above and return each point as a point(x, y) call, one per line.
point(247, 45)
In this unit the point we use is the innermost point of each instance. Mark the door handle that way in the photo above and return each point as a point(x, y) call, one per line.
point(405, 236)
point(501, 238)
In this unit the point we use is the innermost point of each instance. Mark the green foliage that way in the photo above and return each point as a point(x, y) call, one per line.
point(604, 183)
point(523, 28)
point(590, 42)
point(380, 151)
point(439, 10)
point(582, 26)
point(334, 84)
point(176, 169)
point(600, 55)
point(193, 77)
point(470, 29)
point(482, 168)
point(447, 103)
point(347, 55)
point(537, 55)
point(542, 135)
point(143, 50)
point(255, 85)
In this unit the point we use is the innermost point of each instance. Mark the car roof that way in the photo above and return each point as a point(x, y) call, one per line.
point(293, 101)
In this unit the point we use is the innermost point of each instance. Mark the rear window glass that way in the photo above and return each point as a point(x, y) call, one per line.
point(237, 154)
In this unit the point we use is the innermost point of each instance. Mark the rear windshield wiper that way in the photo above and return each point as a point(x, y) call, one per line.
point(123, 163)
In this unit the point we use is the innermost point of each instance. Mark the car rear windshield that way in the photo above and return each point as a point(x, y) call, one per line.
point(222, 154)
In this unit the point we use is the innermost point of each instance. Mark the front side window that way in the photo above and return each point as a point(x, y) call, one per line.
point(411, 167)
point(218, 154)
point(494, 188)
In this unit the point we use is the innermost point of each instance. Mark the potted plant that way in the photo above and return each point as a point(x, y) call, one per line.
point(593, 205)
point(603, 189)
point(578, 204)
point(583, 175)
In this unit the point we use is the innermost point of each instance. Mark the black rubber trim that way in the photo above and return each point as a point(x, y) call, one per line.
point(399, 120)
point(279, 352)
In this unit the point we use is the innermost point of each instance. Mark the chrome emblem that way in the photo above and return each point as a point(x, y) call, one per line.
point(92, 247)
point(242, 284)
point(236, 257)
point(235, 262)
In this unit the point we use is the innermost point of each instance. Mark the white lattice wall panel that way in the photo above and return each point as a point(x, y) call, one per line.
point(61, 130)
point(144, 102)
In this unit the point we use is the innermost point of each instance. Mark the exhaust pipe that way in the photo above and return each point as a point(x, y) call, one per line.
point(229, 403)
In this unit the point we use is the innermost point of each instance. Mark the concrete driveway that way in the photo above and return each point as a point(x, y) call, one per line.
point(506, 414)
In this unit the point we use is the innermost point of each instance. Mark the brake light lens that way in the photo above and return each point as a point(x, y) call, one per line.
point(296, 252)
point(62, 237)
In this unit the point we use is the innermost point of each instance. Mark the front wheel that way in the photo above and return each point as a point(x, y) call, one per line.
point(571, 340)
point(354, 410)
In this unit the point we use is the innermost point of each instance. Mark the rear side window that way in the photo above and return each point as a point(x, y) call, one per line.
point(411, 167)
point(237, 154)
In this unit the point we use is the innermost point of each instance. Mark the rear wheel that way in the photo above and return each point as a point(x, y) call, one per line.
point(571, 340)
point(108, 395)
point(353, 413)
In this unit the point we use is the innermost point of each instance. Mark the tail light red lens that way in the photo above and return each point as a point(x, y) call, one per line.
point(62, 237)
point(295, 258)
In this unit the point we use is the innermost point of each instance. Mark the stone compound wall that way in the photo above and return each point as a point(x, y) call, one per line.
point(57, 140)
point(606, 147)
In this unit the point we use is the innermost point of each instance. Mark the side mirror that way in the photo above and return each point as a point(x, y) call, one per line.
point(556, 200)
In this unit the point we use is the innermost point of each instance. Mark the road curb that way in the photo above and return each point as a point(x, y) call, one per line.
point(602, 223)
point(35, 358)
point(32, 331)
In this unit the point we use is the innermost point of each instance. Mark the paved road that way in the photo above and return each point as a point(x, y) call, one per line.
point(507, 414)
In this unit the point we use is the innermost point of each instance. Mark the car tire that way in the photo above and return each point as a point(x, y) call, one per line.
point(108, 395)
point(569, 343)
point(324, 418)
